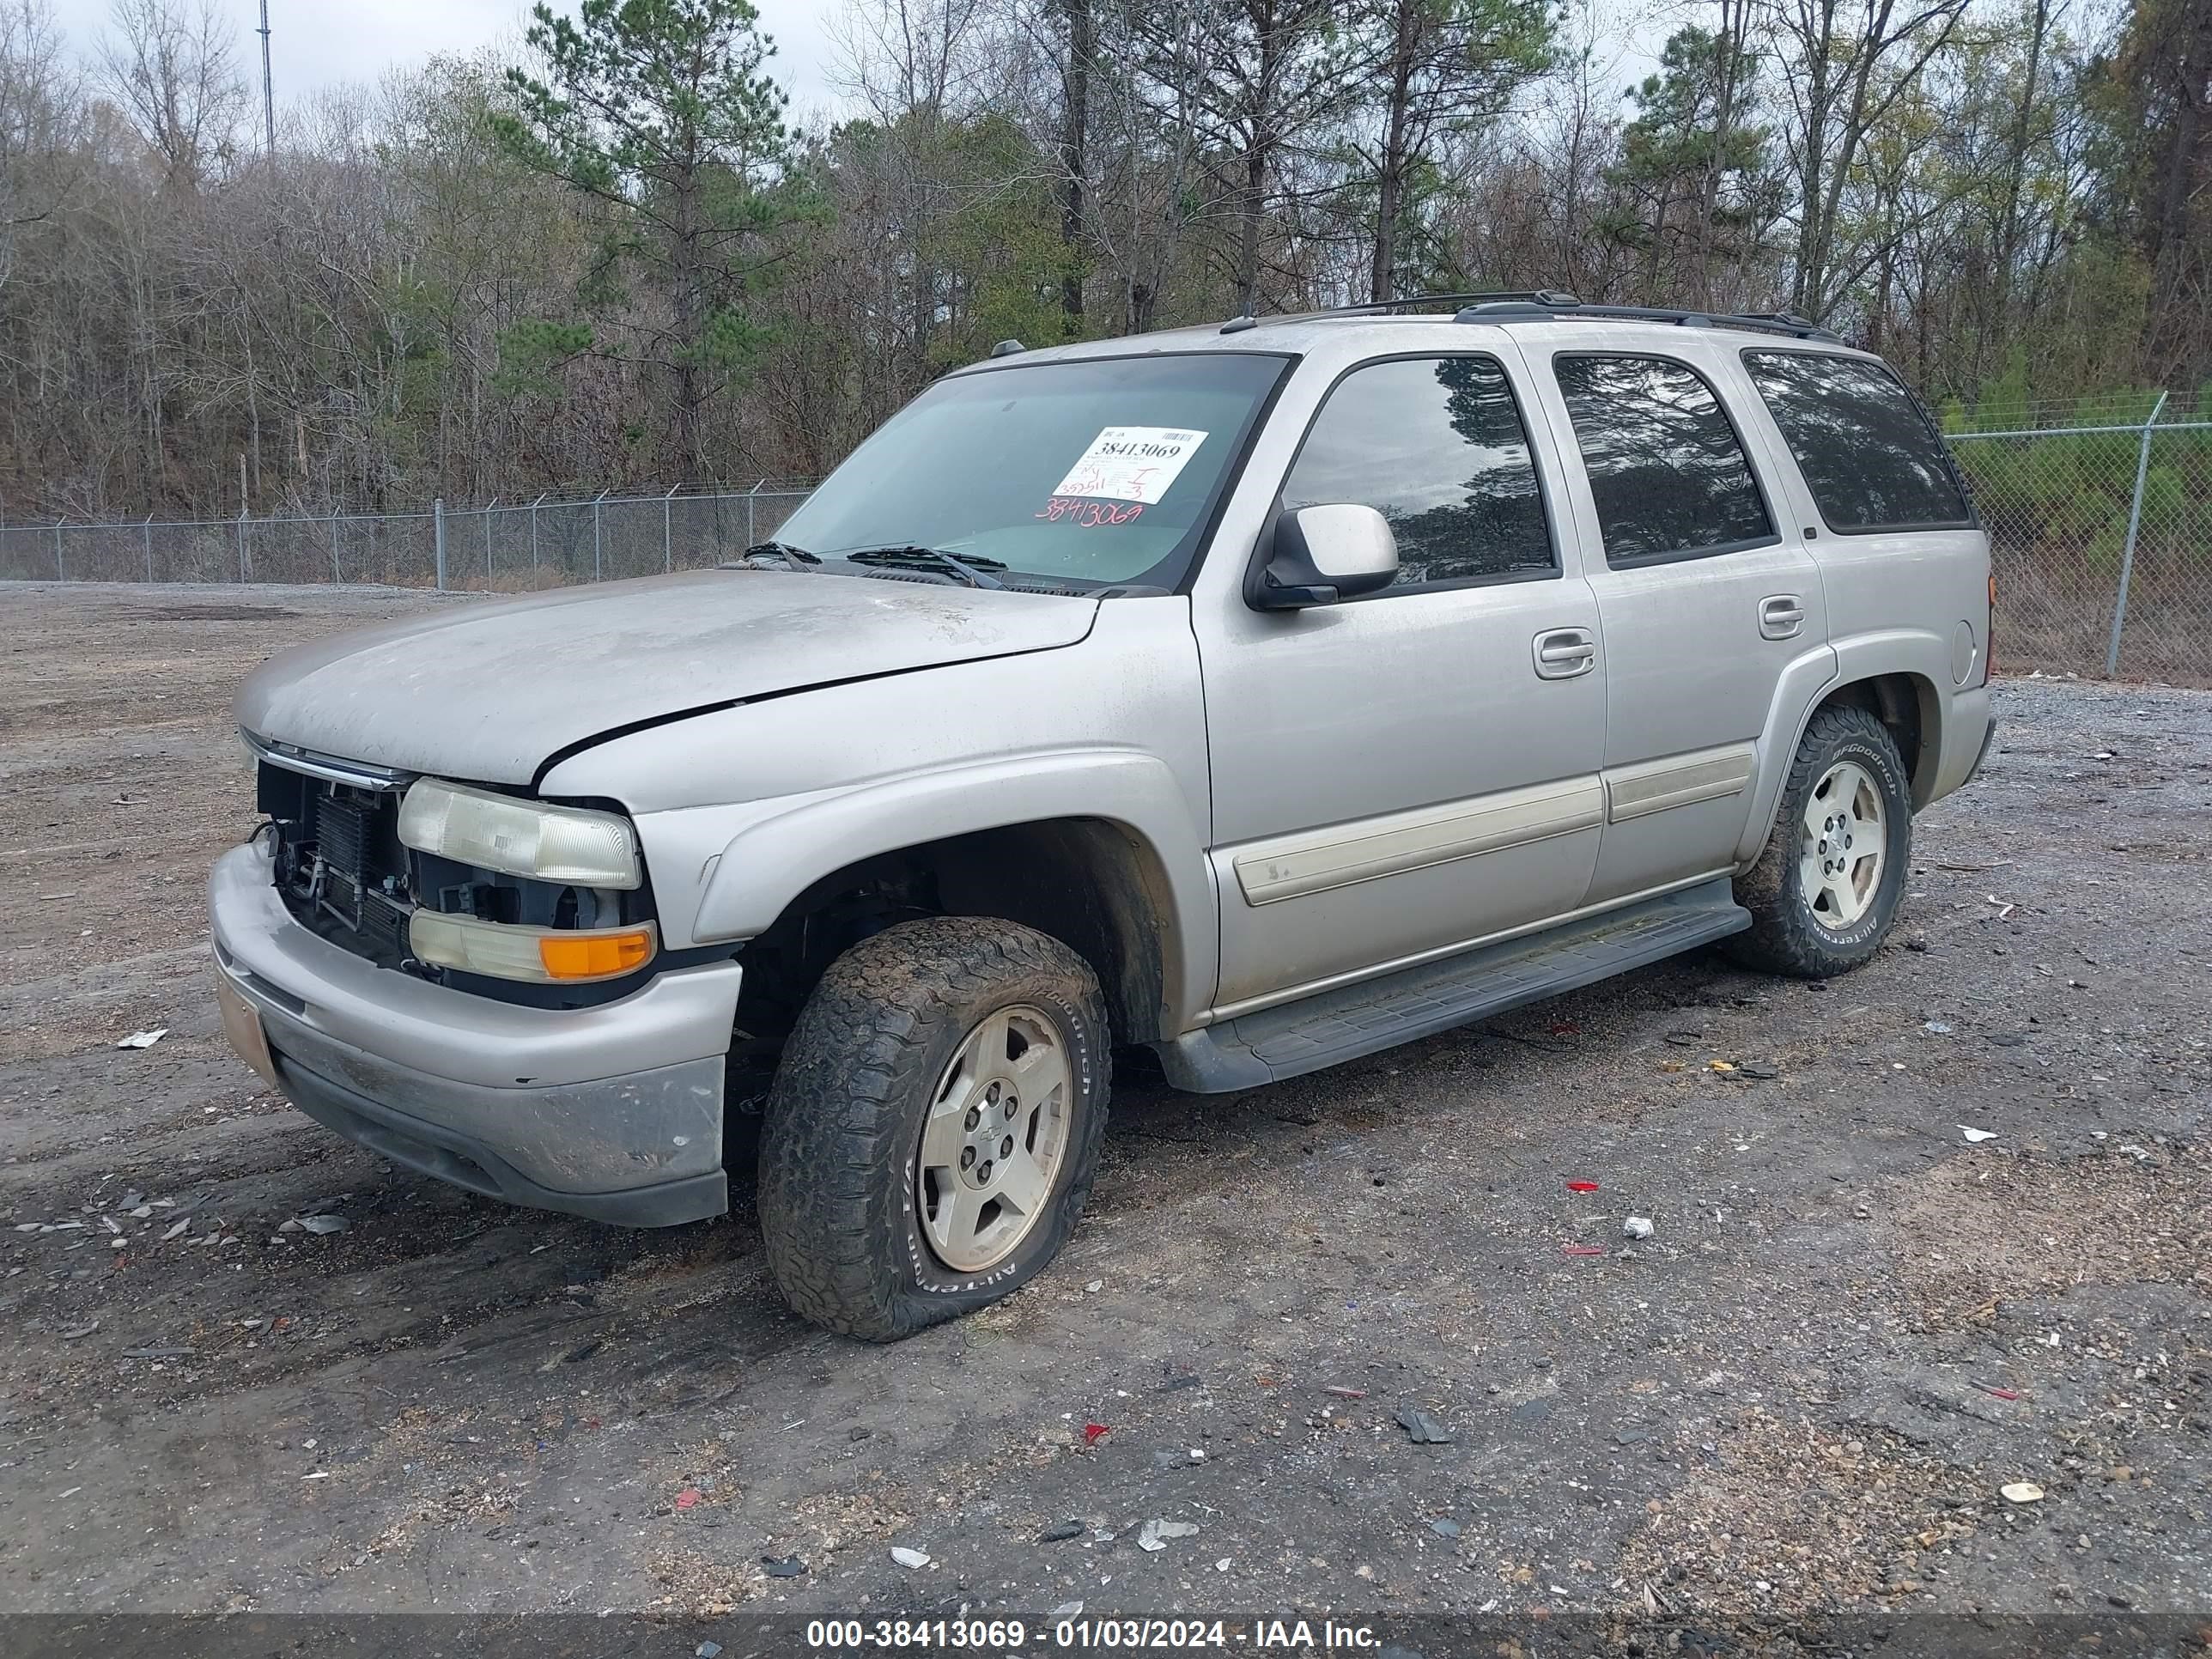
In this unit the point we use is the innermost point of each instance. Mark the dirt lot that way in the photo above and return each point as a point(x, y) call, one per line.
point(1799, 1398)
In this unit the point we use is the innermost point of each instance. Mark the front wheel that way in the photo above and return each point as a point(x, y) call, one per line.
point(1826, 886)
point(934, 1126)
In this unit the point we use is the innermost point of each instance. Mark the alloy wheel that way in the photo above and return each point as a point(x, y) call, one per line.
point(992, 1145)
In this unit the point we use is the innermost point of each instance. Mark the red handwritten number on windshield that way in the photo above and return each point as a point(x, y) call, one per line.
point(1069, 509)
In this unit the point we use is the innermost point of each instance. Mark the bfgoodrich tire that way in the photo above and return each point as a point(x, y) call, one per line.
point(934, 1130)
point(1826, 888)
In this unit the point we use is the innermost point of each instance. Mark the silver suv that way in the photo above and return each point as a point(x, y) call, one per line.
point(1264, 695)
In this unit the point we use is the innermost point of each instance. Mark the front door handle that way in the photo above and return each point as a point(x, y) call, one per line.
point(1781, 615)
point(1562, 654)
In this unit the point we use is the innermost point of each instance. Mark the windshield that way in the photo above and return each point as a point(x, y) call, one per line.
point(1098, 471)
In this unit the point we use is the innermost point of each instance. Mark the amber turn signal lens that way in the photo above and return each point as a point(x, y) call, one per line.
point(595, 955)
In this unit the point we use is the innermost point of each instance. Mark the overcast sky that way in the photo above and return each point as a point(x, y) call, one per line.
point(314, 44)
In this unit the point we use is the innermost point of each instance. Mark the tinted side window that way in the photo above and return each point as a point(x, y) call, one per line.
point(1435, 445)
point(1666, 469)
point(1868, 453)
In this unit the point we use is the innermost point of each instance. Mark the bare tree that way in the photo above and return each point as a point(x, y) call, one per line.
point(39, 118)
point(1439, 64)
point(173, 72)
point(1844, 64)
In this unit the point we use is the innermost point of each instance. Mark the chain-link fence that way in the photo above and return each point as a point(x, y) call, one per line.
point(2100, 537)
point(503, 547)
point(2100, 532)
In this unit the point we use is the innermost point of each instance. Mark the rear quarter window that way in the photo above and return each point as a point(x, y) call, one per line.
point(1870, 457)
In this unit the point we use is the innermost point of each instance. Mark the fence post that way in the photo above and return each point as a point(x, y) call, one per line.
point(2128, 552)
point(751, 496)
point(534, 506)
point(147, 531)
point(438, 536)
point(493, 502)
point(337, 571)
point(242, 566)
point(667, 534)
point(596, 500)
point(58, 552)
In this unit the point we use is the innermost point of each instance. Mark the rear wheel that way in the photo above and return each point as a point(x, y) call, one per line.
point(934, 1126)
point(1826, 888)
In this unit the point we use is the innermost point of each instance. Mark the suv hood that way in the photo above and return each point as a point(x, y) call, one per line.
point(490, 692)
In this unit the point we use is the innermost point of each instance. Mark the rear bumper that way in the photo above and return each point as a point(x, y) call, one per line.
point(613, 1112)
point(1968, 728)
point(1988, 736)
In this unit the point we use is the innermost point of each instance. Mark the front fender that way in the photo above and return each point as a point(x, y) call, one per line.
point(732, 870)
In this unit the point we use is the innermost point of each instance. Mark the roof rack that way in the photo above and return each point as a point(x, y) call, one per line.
point(1542, 297)
point(1771, 322)
point(1545, 303)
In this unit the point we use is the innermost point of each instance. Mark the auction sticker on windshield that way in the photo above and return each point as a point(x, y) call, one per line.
point(1131, 463)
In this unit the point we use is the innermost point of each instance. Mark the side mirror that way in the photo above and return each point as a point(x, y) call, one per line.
point(1324, 554)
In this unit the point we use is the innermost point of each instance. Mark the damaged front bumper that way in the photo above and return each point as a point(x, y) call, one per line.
point(612, 1112)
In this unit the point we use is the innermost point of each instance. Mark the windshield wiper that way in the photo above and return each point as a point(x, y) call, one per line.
point(794, 558)
point(971, 573)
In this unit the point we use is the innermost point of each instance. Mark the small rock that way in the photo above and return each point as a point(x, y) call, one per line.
point(706, 1651)
point(1445, 1526)
point(1636, 1226)
point(1422, 1429)
point(1940, 1027)
point(1060, 1532)
point(788, 1566)
point(2021, 1492)
point(906, 1557)
point(1065, 1610)
point(324, 1224)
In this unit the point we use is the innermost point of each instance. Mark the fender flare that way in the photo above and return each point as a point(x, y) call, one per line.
point(1809, 680)
point(771, 860)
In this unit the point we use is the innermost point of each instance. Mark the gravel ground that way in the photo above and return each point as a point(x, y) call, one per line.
point(1797, 1401)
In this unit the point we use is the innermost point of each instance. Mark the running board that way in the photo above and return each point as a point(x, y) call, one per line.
point(1332, 1026)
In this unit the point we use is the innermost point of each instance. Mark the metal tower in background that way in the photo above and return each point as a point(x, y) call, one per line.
point(268, 93)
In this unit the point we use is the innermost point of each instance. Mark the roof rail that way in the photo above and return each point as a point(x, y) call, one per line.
point(1543, 298)
point(1771, 322)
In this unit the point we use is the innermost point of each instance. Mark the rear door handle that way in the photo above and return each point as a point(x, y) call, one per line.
point(1563, 654)
point(1781, 615)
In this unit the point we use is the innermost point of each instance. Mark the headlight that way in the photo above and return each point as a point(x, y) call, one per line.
point(504, 951)
point(569, 845)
